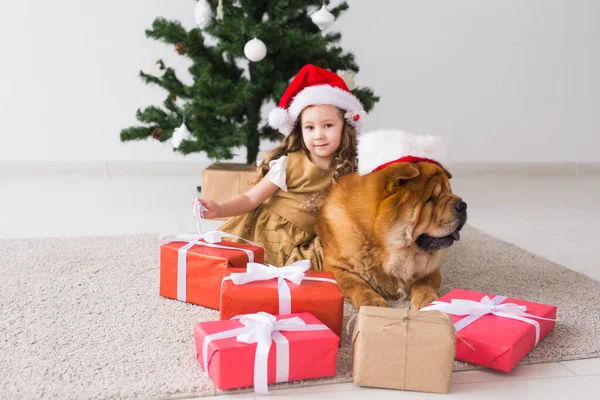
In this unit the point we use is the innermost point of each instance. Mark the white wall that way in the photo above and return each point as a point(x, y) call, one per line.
point(502, 80)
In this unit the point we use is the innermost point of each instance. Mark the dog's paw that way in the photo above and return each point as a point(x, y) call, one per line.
point(403, 293)
point(379, 302)
point(370, 299)
point(422, 300)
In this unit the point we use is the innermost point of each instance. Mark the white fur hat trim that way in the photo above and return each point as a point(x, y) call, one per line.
point(380, 147)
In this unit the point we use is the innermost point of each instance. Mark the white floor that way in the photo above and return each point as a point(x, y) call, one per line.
point(554, 216)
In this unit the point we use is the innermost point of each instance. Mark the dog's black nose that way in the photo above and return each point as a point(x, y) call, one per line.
point(461, 206)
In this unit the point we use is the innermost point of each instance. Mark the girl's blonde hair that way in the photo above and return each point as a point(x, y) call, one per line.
point(344, 160)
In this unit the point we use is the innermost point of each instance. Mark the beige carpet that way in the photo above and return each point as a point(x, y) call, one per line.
point(81, 318)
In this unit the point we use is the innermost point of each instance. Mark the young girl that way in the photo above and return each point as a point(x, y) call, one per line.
point(320, 117)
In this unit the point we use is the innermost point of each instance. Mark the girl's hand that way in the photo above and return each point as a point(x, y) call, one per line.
point(213, 208)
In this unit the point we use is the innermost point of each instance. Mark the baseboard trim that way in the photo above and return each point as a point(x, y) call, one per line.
point(102, 168)
point(162, 168)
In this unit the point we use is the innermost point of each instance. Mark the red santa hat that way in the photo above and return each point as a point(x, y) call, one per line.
point(315, 86)
point(378, 149)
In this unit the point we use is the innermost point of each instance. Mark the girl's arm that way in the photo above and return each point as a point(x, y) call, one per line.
point(241, 203)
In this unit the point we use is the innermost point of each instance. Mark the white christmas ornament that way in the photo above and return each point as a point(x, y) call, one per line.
point(220, 10)
point(255, 50)
point(348, 77)
point(322, 18)
point(202, 14)
point(153, 68)
point(180, 134)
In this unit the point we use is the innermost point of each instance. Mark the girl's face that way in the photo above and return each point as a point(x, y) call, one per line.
point(322, 127)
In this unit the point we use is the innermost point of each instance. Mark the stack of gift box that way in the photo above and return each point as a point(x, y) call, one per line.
point(280, 324)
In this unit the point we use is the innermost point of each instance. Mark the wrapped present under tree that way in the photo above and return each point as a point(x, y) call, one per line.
point(497, 331)
point(258, 349)
point(192, 267)
point(397, 348)
point(283, 290)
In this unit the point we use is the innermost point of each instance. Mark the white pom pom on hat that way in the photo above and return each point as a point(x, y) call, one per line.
point(278, 118)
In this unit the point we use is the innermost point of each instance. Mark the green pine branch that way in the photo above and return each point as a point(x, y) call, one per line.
point(170, 32)
point(170, 105)
point(137, 132)
point(152, 114)
point(339, 9)
point(169, 81)
point(366, 97)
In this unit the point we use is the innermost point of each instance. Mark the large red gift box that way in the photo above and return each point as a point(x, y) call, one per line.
point(322, 298)
point(192, 272)
point(290, 353)
point(497, 341)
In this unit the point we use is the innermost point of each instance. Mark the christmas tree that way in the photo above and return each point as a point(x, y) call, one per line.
point(257, 47)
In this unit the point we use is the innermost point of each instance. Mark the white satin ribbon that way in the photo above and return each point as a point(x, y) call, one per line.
point(277, 170)
point(294, 273)
point(477, 309)
point(263, 328)
point(211, 237)
point(198, 213)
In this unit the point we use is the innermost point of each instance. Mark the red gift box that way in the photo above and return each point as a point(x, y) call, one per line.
point(499, 330)
point(272, 290)
point(254, 350)
point(192, 270)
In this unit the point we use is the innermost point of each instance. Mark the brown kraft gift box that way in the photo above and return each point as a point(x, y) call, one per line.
point(398, 348)
point(222, 181)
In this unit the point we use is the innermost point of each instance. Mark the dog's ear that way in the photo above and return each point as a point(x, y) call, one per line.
point(403, 172)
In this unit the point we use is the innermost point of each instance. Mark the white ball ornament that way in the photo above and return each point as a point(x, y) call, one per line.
point(255, 50)
point(179, 135)
point(202, 14)
point(154, 68)
point(322, 18)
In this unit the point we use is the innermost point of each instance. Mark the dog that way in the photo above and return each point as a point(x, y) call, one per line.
point(384, 233)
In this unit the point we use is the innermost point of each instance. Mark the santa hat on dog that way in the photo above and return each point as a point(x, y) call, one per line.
point(315, 86)
point(378, 149)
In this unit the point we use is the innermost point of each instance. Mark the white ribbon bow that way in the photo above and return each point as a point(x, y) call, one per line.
point(294, 273)
point(477, 309)
point(261, 272)
point(264, 329)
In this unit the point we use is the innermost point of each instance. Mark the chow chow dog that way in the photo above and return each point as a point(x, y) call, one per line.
point(384, 229)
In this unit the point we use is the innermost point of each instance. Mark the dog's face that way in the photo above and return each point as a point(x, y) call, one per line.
point(419, 208)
